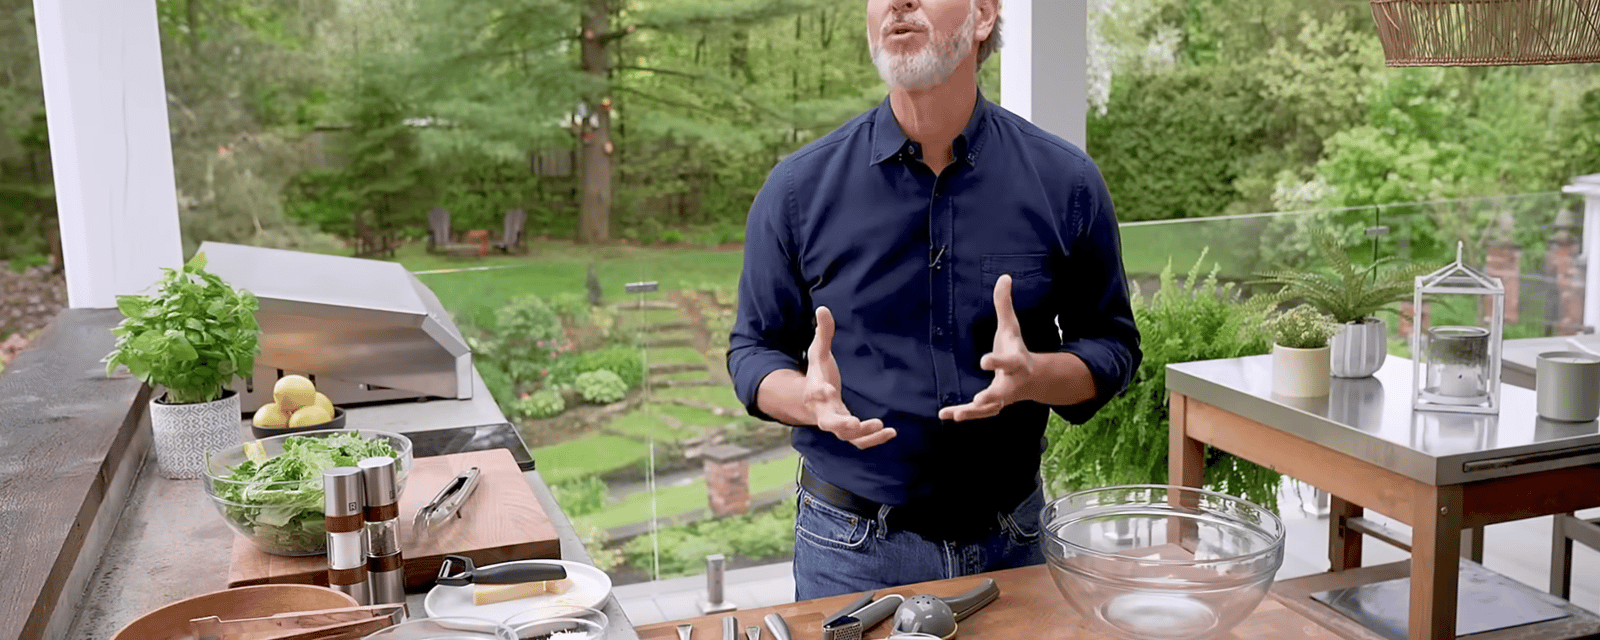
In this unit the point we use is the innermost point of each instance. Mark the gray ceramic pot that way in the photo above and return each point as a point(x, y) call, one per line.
point(184, 433)
point(1359, 350)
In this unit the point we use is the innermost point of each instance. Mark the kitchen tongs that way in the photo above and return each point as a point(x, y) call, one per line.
point(323, 624)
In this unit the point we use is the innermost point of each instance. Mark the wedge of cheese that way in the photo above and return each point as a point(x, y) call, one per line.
point(490, 594)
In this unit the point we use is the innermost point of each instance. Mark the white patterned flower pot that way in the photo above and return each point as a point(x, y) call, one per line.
point(1300, 373)
point(185, 432)
point(1359, 349)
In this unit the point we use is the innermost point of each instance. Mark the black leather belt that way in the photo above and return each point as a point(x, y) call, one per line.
point(934, 523)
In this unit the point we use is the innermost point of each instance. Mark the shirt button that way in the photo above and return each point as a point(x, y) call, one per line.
point(938, 331)
point(949, 399)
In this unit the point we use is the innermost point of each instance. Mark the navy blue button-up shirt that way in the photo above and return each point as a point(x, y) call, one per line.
point(907, 262)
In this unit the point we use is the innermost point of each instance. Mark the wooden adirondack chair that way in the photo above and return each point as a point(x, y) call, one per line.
point(511, 240)
point(439, 237)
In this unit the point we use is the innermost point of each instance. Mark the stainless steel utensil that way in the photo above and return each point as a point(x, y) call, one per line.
point(778, 626)
point(685, 632)
point(438, 511)
point(854, 626)
point(730, 628)
point(752, 632)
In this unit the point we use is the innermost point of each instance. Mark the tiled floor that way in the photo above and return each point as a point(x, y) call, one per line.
point(1519, 550)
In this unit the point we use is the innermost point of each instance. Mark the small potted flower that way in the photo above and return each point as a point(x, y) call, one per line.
point(189, 340)
point(1300, 366)
point(1352, 295)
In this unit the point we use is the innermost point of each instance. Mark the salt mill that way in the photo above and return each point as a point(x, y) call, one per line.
point(385, 568)
point(344, 496)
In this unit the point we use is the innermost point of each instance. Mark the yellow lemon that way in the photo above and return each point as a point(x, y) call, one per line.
point(293, 392)
point(325, 403)
point(308, 416)
point(270, 416)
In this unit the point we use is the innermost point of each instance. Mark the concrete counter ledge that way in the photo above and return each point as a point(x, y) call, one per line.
point(94, 537)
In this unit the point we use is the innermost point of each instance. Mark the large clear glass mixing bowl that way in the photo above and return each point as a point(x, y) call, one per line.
point(1153, 562)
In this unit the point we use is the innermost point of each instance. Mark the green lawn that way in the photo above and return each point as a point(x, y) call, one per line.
point(719, 395)
point(691, 416)
point(674, 355)
point(552, 268)
point(672, 501)
point(588, 456)
point(645, 424)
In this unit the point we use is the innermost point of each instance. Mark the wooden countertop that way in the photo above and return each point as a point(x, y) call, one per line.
point(1029, 608)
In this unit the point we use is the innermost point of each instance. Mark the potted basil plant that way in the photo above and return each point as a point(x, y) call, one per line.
point(189, 339)
point(1300, 352)
point(1353, 295)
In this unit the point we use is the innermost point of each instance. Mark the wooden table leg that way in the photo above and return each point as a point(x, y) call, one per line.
point(1435, 562)
point(1186, 466)
point(1560, 556)
point(1472, 544)
point(1344, 543)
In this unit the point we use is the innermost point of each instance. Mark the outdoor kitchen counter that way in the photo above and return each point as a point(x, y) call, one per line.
point(1029, 608)
point(171, 544)
point(1441, 473)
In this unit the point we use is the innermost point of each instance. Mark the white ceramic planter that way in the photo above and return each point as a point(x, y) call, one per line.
point(1359, 349)
point(183, 433)
point(1300, 373)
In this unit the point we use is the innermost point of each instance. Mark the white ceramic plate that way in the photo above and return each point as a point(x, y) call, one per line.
point(590, 586)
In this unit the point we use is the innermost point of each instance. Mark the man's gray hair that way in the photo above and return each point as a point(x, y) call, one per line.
point(990, 44)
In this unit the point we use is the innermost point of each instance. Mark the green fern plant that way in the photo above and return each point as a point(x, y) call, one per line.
point(1126, 442)
point(1348, 292)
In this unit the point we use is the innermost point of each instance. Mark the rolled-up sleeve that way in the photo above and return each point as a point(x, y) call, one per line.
point(773, 326)
point(1096, 314)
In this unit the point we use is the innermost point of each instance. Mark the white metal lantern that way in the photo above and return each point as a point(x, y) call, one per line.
point(1455, 349)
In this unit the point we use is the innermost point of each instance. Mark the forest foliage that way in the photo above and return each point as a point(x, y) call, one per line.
point(299, 123)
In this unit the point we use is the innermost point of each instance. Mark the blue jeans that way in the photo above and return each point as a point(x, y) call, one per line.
point(836, 551)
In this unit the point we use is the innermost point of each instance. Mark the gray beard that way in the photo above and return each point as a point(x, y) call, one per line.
point(929, 67)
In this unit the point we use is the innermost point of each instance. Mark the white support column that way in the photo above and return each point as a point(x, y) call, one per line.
point(110, 146)
point(1044, 67)
point(1589, 187)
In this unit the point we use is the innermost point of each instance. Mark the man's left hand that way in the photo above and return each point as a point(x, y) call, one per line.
point(1014, 367)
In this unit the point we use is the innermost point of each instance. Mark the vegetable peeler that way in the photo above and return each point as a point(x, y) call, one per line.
point(458, 571)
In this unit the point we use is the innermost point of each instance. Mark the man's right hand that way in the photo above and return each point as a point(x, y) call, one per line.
point(822, 396)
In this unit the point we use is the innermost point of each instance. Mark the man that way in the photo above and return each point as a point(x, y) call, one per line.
point(938, 241)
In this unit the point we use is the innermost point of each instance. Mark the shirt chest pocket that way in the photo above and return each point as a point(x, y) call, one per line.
point(1030, 277)
point(1031, 286)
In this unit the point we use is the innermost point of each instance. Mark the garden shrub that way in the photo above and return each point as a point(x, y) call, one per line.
point(601, 387)
point(543, 403)
point(527, 337)
point(626, 362)
point(580, 496)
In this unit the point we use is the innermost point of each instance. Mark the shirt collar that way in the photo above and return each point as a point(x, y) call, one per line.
point(889, 140)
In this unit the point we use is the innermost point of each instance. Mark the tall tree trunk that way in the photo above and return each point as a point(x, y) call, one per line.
point(739, 57)
point(594, 216)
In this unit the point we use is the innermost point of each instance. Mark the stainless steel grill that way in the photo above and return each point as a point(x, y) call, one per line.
point(364, 330)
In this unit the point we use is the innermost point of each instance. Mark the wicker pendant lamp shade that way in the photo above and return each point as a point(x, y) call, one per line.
point(1453, 33)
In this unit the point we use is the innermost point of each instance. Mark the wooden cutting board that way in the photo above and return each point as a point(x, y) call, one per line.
point(501, 521)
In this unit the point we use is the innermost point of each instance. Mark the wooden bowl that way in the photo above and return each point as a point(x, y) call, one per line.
point(172, 621)
point(267, 432)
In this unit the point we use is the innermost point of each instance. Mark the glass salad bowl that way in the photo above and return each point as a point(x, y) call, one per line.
point(1152, 562)
point(270, 490)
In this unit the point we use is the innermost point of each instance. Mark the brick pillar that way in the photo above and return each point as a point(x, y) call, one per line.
point(1566, 271)
point(1505, 262)
point(727, 479)
point(1403, 323)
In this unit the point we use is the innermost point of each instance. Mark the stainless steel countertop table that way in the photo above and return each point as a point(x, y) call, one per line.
point(1441, 473)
